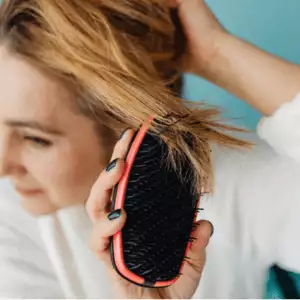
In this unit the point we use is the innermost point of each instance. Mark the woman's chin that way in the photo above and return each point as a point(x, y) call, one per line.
point(37, 205)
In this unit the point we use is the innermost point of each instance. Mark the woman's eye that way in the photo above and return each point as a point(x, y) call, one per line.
point(38, 141)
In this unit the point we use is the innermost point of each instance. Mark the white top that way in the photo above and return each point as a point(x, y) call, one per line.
point(255, 210)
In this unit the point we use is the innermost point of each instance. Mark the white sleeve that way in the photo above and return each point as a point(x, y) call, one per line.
point(282, 129)
point(66, 236)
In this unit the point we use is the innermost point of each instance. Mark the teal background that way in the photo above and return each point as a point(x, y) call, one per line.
point(273, 25)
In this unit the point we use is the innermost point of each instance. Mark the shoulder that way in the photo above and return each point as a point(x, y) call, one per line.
point(282, 129)
point(257, 177)
point(258, 167)
point(257, 191)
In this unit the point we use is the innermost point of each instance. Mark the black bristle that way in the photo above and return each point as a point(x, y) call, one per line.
point(160, 211)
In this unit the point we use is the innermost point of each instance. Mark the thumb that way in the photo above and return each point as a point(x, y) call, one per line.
point(201, 238)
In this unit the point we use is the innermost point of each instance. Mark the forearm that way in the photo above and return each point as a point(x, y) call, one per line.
point(261, 79)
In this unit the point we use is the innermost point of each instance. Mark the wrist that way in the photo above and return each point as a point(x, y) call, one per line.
point(208, 61)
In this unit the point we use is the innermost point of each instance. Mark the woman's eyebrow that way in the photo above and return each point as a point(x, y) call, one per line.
point(34, 125)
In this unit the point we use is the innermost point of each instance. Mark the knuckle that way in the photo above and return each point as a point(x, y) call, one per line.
point(117, 148)
point(98, 246)
point(97, 187)
point(123, 151)
point(95, 240)
point(99, 254)
point(93, 191)
point(89, 205)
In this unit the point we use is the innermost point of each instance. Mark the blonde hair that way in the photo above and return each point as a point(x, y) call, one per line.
point(119, 56)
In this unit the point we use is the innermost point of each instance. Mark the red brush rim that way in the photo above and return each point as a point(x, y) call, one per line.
point(119, 204)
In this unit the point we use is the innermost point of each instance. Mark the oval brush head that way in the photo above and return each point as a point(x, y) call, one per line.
point(161, 210)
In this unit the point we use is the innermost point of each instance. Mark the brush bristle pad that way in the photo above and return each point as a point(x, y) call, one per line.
point(160, 209)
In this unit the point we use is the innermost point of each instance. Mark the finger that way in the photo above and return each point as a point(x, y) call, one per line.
point(191, 11)
point(201, 238)
point(196, 256)
point(202, 235)
point(99, 198)
point(123, 143)
point(104, 229)
point(100, 194)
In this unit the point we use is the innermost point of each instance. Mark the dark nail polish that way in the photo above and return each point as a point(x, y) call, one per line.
point(114, 214)
point(111, 165)
point(124, 132)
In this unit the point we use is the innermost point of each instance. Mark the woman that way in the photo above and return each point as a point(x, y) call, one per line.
point(86, 70)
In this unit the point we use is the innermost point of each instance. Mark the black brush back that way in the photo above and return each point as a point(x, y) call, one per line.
point(160, 206)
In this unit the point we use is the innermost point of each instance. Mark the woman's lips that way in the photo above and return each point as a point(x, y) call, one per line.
point(28, 192)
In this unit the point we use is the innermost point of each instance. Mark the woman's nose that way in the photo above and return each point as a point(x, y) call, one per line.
point(4, 159)
point(8, 157)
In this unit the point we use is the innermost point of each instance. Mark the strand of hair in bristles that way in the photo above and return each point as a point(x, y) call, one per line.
point(178, 118)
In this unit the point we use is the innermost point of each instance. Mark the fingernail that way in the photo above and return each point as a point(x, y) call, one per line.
point(124, 132)
point(114, 214)
point(111, 165)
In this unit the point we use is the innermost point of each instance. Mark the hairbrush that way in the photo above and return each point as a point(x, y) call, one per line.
point(161, 207)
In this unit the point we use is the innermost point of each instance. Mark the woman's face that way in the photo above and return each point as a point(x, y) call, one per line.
point(51, 152)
